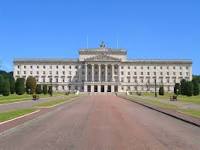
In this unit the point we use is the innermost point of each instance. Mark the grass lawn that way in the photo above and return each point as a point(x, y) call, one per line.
point(155, 103)
point(191, 112)
point(187, 99)
point(17, 98)
point(55, 102)
point(158, 102)
point(4, 116)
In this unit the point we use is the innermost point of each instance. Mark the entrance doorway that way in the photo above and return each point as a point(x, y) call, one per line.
point(102, 88)
point(89, 88)
point(95, 88)
point(116, 88)
point(109, 88)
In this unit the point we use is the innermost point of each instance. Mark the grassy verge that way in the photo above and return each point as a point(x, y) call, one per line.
point(154, 103)
point(18, 98)
point(181, 98)
point(4, 116)
point(160, 104)
point(191, 112)
point(55, 102)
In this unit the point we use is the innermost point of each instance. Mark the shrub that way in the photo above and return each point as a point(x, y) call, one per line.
point(177, 89)
point(189, 88)
point(161, 90)
point(6, 87)
point(195, 87)
point(183, 87)
point(39, 89)
point(44, 89)
point(19, 86)
point(1, 83)
point(12, 84)
point(30, 85)
point(50, 91)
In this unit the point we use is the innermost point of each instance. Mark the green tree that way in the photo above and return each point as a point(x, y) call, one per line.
point(195, 87)
point(12, 84)
point(19, 86)
point(177, 89)
point(161, 90)
point(38, 89)
point(189, 88)
point(50, 91)
point(183, 87)
point(44, 89)
point(1, 83)
point(6, 87)
point(30, 85)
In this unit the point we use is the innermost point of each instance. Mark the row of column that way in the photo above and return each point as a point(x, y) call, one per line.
point(99, 76)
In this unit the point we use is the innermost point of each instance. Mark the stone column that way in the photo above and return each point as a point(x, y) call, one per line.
point(119, 72)
point(99, 88)
point(113, 67)
point(92, 72)
point(85, 72)
point(99, 72)
point(106, 73)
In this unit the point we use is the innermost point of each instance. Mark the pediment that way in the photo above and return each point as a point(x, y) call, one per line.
point(102, 57)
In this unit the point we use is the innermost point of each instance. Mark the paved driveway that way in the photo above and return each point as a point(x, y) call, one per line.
point(102, 123)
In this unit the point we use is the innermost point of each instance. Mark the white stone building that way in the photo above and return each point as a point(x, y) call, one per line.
point(104, 70)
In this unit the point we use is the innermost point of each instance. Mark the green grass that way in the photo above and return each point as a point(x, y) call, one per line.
point(4, 116)
point(181, 98)
point(191, 112)
point(154, 103)
point(17, 98)
point(55, 102)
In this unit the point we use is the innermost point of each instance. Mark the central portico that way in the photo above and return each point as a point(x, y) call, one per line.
point(102, 68)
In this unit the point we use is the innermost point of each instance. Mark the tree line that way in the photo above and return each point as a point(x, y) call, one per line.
point(8, 85)
point(187, 88)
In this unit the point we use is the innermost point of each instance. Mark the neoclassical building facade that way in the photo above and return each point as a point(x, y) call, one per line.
point(104, 70)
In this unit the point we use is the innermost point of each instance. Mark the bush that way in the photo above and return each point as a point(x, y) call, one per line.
point(161, 90)
point(189, 88)
point(44, 89)
point(67, 93)
point(183, 87)
point(35, 97)
point(1, 83)
point(195, 87)
point(177, 89)
point(30, 85)
point(19, 86)
point(6, 88)
point(50, 91)
point(39, 89)
point(12, 84)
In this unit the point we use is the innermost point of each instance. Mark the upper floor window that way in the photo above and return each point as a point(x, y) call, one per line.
point(31, 67)
point(122, 67)
point(56, 67)
point(44, 67)
point(24, 67)
point(18, 66)
point(128, 67)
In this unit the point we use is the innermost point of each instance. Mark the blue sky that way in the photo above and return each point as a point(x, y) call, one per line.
point(58, 28)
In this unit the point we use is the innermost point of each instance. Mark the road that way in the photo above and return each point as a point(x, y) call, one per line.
point(102, 123)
